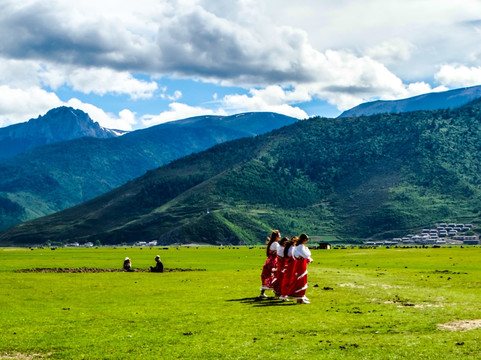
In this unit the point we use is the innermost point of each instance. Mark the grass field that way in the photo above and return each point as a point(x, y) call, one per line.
point(365, 304)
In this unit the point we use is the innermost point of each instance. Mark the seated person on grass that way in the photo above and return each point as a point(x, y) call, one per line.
point(159, 267)
point(127, 265)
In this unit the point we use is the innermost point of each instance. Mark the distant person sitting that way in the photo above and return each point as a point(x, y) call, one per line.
point(159, 267)
point(127, 265)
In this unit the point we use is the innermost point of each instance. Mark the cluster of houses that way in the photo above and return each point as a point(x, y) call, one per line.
point(76, 244)
point(90, 244)
point(444, 233)
point(145, 243)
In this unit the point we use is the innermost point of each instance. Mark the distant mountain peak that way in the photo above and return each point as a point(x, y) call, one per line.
point(72, 123)
point(58, 124)
point(431, 101)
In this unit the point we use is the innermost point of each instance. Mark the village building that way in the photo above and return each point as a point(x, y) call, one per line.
point(443, 233)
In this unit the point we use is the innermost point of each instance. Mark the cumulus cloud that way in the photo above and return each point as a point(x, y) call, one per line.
point(351, 80)
point(179, 111)
point(20, 73)
point(54, 31)
point(458, 76)
point(285, 52)
point(99, 81)
point(272, 98)
point(173, 97)
point(195, 42)
point(20, 105)
point(104, 80)
point(125, 120)
point(235, 44)
point(390, 51)
point(364, 24)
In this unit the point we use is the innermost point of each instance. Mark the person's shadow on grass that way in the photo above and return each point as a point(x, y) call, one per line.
point(257, 301)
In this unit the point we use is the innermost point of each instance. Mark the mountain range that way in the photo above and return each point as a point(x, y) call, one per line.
point(346, 178)
point(59, 124)
point(432, 101)
point(49, 178)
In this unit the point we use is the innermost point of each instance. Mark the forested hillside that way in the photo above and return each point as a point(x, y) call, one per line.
point(51, 178)
point(345, 178)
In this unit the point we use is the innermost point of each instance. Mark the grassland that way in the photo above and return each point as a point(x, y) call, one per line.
point(365, 304)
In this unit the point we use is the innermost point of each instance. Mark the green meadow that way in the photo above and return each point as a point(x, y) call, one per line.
point(365, 304)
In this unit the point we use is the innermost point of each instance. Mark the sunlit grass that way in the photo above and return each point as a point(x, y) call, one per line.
point(365, 304)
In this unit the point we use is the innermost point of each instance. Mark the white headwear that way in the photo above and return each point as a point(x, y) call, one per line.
point(127, 258)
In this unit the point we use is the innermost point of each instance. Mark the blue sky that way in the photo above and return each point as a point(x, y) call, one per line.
point(135, 64)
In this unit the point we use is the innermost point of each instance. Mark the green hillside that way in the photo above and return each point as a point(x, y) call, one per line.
point(57, 176)
point(346, 179)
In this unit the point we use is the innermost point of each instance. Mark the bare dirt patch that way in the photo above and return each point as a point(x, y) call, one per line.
point(94, 270)
point(422, 306)
point(352, 286)
point(461, 325)
point(417, 306)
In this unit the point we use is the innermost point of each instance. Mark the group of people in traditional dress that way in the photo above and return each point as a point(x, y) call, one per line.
point(285, 269)
point(159, 266)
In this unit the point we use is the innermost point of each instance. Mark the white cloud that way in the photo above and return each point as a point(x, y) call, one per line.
point(439, 31)
point(458, 76)
point(195, 41)
point(100, 81)
point(19, 73)
point(238, 44)
point(350, 80)
point(103, 80)
point(390, 51)
point(422, 88)
point(361, 24)
point(344, 52)
point(177, 95)
point(124, 121)
point(272, 98)
point(174, 97)
point(20, 105)
point(178, 111)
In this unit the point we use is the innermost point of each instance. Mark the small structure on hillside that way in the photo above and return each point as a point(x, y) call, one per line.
point(321, 244)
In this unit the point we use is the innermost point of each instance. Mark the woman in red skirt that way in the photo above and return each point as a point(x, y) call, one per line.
point(289, 265)
point(280, 266)
point(268, 275)
point(299, 281)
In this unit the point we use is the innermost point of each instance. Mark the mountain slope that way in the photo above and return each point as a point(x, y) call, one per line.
point(352, 178)
point(59, 124)
point(53, 177)
point(431, 101)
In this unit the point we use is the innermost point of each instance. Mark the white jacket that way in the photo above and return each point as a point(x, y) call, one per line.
point(274, 246)
point(301, 251)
